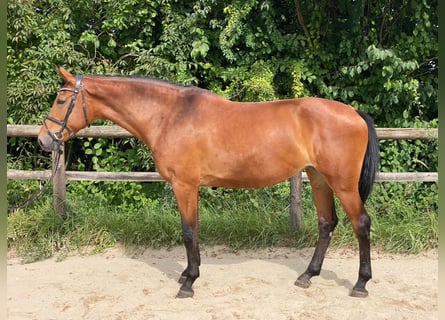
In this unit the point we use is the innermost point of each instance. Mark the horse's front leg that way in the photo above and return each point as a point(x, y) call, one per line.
point(187, 198)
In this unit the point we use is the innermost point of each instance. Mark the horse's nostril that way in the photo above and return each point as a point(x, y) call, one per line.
point(43, 145)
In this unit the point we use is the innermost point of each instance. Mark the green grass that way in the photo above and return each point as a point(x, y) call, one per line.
point(404, 220)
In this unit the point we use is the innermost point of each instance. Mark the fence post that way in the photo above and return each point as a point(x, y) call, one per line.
point(59, 182)
point(296, 183)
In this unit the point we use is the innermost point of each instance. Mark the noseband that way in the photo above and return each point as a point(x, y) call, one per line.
point(58, 136)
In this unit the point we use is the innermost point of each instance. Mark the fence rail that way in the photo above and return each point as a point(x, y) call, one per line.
point(155, 177)
point(114, 131)
point(59, 185)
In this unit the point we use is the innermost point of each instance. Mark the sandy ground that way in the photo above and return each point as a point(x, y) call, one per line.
point(118, 285)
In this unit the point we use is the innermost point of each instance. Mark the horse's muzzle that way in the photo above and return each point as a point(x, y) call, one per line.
point(48, 144)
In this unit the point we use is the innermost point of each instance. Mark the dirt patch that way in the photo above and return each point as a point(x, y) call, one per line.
point(118, 285)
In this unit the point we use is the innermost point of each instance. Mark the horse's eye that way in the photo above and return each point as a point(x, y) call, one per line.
point(60, 101)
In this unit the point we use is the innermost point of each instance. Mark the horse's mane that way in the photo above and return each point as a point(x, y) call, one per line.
point(135, 77)
point(153, 80)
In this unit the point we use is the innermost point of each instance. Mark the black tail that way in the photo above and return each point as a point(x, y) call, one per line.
point(372, 159)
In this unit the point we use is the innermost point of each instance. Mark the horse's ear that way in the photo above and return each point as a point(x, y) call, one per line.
point(66, 75)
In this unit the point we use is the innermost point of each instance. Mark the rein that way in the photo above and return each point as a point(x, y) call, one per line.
point(39, 193)
point(58, 137)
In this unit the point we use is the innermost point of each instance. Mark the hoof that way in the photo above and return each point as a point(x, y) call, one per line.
point(184, 294)
point(302, 283)
point(359, 292)
point(182, 279)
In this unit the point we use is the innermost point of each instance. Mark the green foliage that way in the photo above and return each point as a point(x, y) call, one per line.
point(116, 155)
point(38, 40)
point(233, 33)
point(410, 155)
point(105, 155)
point(394, 87)
point(379, 57)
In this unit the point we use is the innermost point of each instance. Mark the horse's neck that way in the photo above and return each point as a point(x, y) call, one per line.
point(135, 105)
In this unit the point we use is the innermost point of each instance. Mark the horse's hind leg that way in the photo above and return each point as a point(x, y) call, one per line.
point(361, 224)
point(327, 221)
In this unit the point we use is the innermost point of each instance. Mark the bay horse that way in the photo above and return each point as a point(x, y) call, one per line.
point(199, 138)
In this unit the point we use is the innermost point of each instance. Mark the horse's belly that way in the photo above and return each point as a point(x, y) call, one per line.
point(256, 174)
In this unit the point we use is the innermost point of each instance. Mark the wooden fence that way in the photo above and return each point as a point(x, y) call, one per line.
point(59, 183)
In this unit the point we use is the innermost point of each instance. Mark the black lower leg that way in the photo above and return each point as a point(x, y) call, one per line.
point(191, 273)
point(365, 273)
point(314, 267)
point(186, 273)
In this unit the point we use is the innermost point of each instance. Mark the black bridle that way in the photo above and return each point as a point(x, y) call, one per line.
point(58, 136)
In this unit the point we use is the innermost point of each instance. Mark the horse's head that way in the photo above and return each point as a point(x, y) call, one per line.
point(68, 114)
